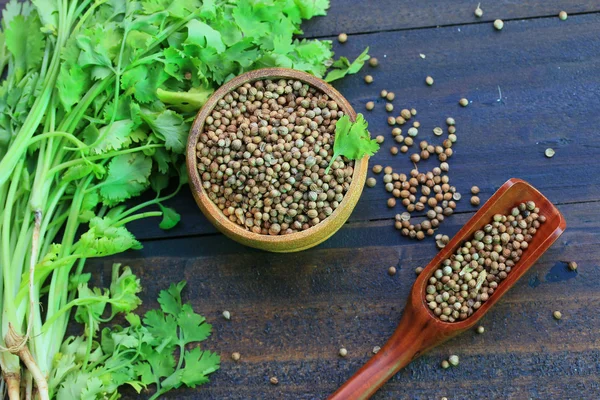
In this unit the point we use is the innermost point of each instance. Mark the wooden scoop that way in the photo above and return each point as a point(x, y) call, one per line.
point(419, 329)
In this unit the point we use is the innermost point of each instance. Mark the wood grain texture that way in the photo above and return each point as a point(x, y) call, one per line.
point(292, 312)
point(379, 15)
point(548, 72)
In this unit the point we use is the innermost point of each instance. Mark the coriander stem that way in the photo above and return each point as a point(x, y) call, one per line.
point(138, 216)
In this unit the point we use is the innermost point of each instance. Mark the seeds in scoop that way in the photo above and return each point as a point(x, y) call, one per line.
point(392, 271)
point(475, 190)
point(463, 102)
point(445, 364)
point(383, 93)
point(376, 349)
point(343, 352)
point(342, 38)
point(475, 200)
point(227, 315)
point(478, 11)
point(389, 107)
point(429, 81)
point(274, 380)
point(498, 24)
point(377, 169)
point(391, 203)
point(557, 315)
point(371, 182)
point(549, 152)
point(453, 360)
point(373, 62)
point(572, 266)
point(390, 96)
point(235, 356)
point(437, 131)
point(394, 150)
point(562, 15)
point(368, 79)
point(450, 121)
point(379, 139)
point(370, 105)
point(480, 329)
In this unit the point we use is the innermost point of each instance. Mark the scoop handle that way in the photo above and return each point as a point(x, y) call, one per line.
point(413, 334)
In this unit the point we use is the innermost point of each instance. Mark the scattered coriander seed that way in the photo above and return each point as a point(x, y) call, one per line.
point(418, 270)
point(413, 111)
point(445, 364)
point(557, 315)
point(450, 121)
point(422, 55)
point(373, 62)
point(415, 158)
point(394, 150)
point(379, 139)
point(453, 360)
point(391, 203)
point(400, 120)
point(274, 380)
point(391, 121)
point(456, 196)
point(383, 93)
point(343, 352)
point(388, 170)
point(572, 266)
point(444, 398)
point(562, 15)
point(498, 24)
point(235, 356)
point(390, 96)
point(370, 105)
point(416, 124)
point(396, 132)
point(452, 129)
point(227, 315)
point(475, 200)
point(452, 137)
point(368, 79)
point(405, 114)
point(399, 139)
point(389, 107)
point(371, 182)
point(408, 141)
point(549, 152)
point(376, 349)
point(403, 149)
point(463, 102)
point(377, 169)
point(413, 131)
point(342, 38)
point(392, 271)
point(480, 329)
point(475, 190)
point(437, 131)
point(478, 11)
point(429, 81)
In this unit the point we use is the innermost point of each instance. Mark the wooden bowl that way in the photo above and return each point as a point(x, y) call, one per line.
point(281, 243)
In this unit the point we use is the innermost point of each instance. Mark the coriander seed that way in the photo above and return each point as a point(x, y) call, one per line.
point(415, 158)
point(396, 132)
point(403, 149)
point(413, 131)
point(437, 131)
point(572, 266)
point(562, 15)
point(370, 105)
point(389, 107)
point(371, 182)
point(391, 121)
point(342, 38)
point(549, 152)
point(383, 93)
point(498, 24)
point(379, 139)
point(418, 270)
point(475, 200)
point(388, 170)
point(463, 102)
point(429, 81)
point(450, 121)
point(416, 124)
point(343, 352)
point(376, 349)
point(445, 364)
point(480, 329)
point(377, 169)
point(227, 315)
point(392, 271)
point(394, 150)
point(390, 96)
point(399, 139)
point(557, 315)
point(400, 120)
point(475, 190)
point(405, 114)
point(478, 11)
point(373, 62)
point(235, 356)
point(453, 360)
point(391, 203)
point(274, 380)
point(368, 79)
point(413, 111)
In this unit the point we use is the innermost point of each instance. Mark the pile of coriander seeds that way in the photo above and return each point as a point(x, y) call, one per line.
point(466, 280)
point(263, 152)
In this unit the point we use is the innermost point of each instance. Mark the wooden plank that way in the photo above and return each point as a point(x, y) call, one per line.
point(383, 15)
point(549, 76)
point(292, 312)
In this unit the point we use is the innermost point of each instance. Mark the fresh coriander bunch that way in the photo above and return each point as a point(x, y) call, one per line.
point(95, 108)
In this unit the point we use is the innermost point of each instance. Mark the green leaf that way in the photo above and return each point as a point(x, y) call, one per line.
point(26, 42)
point(202, 35)
point(189, 101)
point(144, 371)
point(92, 54)
point(342, 67)
point(92, 389)
point(124, 288)
point(170, 217)
point(199, 364)
point(352, 140)
point(111, 137)
point(102, 239)
point(73, 386)
point(193, 326)
point(170, 299)
point(127, 177)
point(163, 328)
point(170, 127)
point(72, 84)
point(95, 302)
point(311, 8)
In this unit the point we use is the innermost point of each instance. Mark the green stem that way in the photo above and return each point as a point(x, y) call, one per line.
point(138, 216)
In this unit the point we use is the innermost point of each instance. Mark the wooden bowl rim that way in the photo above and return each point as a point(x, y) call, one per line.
point(206, 205)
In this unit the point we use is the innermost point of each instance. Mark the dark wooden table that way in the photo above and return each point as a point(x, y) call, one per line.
point(292, 312)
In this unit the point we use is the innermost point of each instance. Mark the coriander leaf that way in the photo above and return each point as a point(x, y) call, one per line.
point(170, 127)
point(170, 217)
point(72, 83)
point(73, 386)
point(163, 328)
point(102, 239)
point(170, 299)
point(199, 364)
point(342, 67)
point(26, 42)
point(202, 35)
point(352, 140)
point(144, 371)
point(92, 54)
point(127, 177)
point(193, 326)
point(189, 101)
point(48, 11)
point(94, 301)
point(311, 8)
point(162, 363)
point(159, 181)
point(93, 388)
point(124, 288)
point(109, 137)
